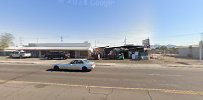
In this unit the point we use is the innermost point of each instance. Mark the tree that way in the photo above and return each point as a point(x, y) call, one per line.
point(163, 48)
point(173, 50)
point(6, 39)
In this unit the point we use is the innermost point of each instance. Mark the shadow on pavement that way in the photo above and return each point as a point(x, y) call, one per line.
point(184, 63)
point(51, 59)
point(65, 70)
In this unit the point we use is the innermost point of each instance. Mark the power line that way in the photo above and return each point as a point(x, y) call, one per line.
point(200, 47)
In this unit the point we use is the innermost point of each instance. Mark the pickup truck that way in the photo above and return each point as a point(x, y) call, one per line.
point(20, 54)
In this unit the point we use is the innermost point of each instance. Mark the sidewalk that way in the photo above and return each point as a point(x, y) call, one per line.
point(18, 62)
point(188, 66)
point(48, 62)
point(109, 63)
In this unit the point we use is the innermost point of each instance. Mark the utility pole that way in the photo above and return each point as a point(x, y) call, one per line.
point(21, 41)
point(125, 41)
point(61, 39)
point(200, 47)
point(95, 43)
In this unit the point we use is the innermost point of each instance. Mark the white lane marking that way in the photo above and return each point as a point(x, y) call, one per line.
point(186, 92)
point(164, 75)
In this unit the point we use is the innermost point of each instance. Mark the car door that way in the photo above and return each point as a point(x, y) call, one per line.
point(66, 66)
point(58, 55)
point(55, 55)
point(71, 65)
point(51, 55)
point(79, 64)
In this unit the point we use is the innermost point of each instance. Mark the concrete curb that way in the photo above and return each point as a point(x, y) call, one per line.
point(189, 66)
point(105, 64)
point(17, 62)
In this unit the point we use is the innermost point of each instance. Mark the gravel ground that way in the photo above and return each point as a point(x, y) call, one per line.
point(175, 60)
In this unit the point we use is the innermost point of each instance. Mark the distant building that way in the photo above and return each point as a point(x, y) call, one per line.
point(76, 50)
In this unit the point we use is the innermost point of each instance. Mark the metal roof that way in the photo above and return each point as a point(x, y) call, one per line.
point(86, 44)
point(54, 46)
point(50, 48)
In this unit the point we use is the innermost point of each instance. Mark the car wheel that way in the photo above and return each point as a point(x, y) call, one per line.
point(84, 69)
point(56, 68)
point(21, 57)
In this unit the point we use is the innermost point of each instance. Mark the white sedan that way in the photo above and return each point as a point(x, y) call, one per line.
point(84, 65)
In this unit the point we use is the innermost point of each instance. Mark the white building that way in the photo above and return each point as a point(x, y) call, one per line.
point(190, 52)
point(76, 50)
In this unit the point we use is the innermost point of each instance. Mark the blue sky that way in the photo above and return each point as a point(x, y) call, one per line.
point(107, 22)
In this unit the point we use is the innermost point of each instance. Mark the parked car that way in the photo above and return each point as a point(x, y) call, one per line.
point(20, 54)
point(84, 65)
point(54, 55)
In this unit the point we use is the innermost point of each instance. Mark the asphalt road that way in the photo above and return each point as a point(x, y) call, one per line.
point(104, 82)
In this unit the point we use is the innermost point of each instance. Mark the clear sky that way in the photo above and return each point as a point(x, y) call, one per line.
point(178, 22)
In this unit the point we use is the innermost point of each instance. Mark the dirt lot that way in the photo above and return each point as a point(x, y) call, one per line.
point(174, 61)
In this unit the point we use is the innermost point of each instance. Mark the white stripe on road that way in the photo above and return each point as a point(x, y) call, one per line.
point(186, 92)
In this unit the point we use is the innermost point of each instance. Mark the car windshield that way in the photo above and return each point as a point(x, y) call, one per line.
point(15, 52)
point(72, 62)
point(87, 61)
